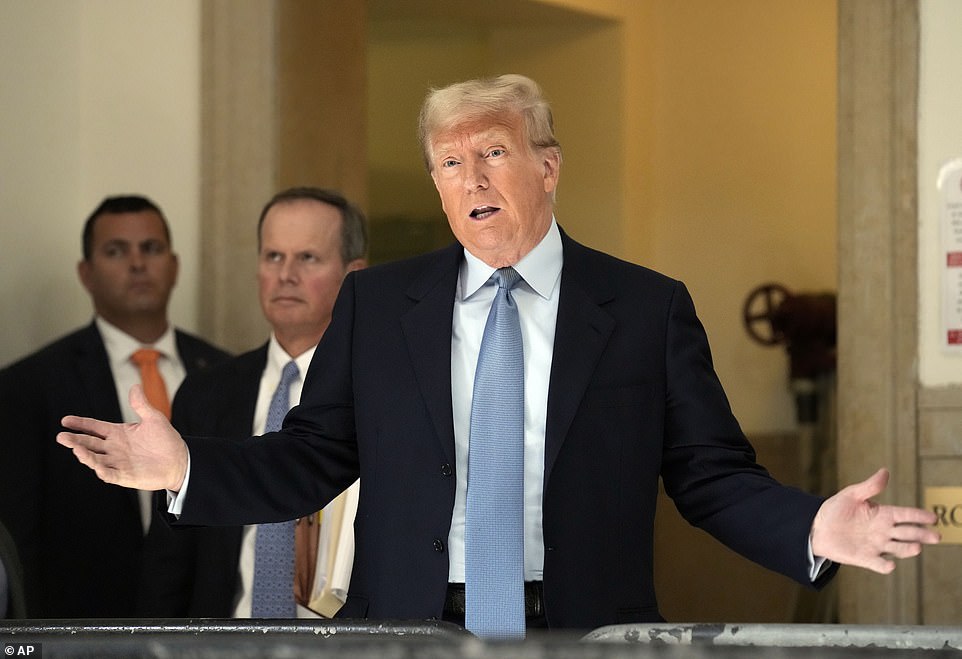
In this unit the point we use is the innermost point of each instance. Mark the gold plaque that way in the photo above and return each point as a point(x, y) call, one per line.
point(946, 503)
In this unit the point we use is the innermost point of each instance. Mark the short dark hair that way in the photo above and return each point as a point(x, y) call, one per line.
point(353, 222)
point(115, 206)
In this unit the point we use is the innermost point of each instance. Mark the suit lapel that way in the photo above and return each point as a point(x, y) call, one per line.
point(427, 331)
point(581, 334)
point(192, 359)
point(244, 387)
point(93, 371)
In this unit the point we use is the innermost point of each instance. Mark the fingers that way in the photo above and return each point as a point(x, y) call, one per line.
point(85, 449)
point(84, 443)
point(87, 425)
point(905, 515)
point(914, 533)
point(879, 564)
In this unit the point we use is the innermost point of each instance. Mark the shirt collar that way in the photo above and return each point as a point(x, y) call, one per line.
point(120, 345)
point(278, 357)
point(540, 268)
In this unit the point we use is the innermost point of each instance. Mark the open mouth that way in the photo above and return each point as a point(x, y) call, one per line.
point(484, 212)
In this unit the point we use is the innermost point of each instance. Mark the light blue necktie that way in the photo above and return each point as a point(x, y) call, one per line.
point(494, 519)
point(273, 591)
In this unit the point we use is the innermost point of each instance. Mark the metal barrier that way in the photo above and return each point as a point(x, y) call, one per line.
point(878, 637)
point(347, 639)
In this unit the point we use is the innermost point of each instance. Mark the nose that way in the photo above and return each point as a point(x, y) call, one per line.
point(288, 271)
point(474, 177)
point(137, 260)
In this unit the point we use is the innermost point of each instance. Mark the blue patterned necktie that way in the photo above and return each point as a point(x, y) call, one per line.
point(273, 591)
point(494, 519)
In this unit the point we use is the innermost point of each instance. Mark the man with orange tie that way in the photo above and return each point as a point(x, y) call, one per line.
point(80, 540)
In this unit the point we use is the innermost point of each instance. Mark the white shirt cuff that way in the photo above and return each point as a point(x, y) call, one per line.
point(816, 564)
point(175, 500)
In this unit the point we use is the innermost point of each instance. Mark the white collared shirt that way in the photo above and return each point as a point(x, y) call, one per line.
point(120, 346)
point(537, 299)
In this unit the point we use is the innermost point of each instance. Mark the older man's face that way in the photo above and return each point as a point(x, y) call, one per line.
point(496, 192)
point(300, 268)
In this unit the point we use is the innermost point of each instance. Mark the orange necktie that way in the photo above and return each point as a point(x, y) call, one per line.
point(154, 387)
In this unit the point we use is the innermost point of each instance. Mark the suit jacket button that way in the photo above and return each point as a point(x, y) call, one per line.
point(438, 545)
point(446, 470)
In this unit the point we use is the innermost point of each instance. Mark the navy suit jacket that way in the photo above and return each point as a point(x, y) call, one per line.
point(197, 566)
point(79, 539)
point(632, 397)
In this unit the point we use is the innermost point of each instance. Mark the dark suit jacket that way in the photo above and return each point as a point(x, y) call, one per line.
point(79, 538)
point(11, 597)
point(632, 396)
point(198, 566)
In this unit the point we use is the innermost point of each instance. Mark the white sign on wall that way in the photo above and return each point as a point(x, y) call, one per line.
point(950, 211)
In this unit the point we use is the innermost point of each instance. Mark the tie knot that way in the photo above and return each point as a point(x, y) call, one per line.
point(289, 374)
point(145, 357)
point(506, 277)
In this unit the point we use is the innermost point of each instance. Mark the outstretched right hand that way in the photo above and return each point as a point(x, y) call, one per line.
point(149, 455)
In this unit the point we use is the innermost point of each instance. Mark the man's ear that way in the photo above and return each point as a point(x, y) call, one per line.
point(83, 273)
point(552, 169)
point(356, 264)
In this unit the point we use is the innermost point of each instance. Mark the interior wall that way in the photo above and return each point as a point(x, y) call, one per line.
point(97, 98)
point(402, 63)
point(940, 140)
point(940, 372)
point(743, 170)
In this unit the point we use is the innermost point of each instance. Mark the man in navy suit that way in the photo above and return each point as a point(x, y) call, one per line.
point(80, 539)
point(619, 390)
point(308, 240)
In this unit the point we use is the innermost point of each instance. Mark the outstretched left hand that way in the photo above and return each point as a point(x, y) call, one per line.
point(851, 529)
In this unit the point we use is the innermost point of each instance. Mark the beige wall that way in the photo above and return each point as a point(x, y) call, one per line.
point(940, 373)
point(940, 140)
point(743, 171)
point(98, 97)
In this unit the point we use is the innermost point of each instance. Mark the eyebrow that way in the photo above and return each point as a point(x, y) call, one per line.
point(123, 242)
point(493, 134)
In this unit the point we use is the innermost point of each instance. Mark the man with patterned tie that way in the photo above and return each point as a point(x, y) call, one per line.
point(80, 540)
point(308, 240)
point(616, 391)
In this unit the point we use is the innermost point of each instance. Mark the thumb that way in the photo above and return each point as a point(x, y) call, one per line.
point(872, 486)
point(138, 401)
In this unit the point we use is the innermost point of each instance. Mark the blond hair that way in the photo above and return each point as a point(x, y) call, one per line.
point(487, 98)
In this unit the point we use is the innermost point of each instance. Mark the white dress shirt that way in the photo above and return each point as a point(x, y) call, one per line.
point(120, 346)
point(537, 299)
